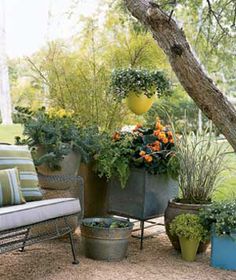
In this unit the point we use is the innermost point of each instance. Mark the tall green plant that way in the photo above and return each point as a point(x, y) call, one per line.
point(201, 162)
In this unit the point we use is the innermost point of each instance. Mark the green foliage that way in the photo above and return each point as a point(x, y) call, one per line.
point(177, 107)
point(148, 148)
point(57, 134)
point(76, 75)
point(112, 159)
point(124, 81)
point(221, 216)
point(112, 224)
point(188, 226)
point(201, 162)
point(8, 132)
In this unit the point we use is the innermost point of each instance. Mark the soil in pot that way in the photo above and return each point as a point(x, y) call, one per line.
point(176, 208)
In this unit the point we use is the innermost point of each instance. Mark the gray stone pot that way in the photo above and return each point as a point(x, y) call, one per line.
point(69, 164)
point(145, 196)
point(108, 244)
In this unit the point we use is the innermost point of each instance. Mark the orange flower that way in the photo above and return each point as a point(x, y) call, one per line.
point(169, 133)
point(165, 140)
point(142, 153)
point(156, 132)
point(156, 146)
point(148, 158)
point(172, 141)
point(161, 135)
point(159, 125)
point(116, 136)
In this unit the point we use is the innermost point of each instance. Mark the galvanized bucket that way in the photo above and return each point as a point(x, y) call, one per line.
point(108, 244)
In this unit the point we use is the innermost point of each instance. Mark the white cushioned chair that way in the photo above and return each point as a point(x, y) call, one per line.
point(17, 221)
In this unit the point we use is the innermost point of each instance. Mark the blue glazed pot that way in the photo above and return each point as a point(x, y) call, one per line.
point(223, 251)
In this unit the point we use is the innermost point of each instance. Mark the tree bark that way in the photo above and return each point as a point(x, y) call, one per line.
point(187, 68)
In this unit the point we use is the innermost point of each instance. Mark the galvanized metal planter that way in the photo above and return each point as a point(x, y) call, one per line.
point(108, 244)
point(145, 196)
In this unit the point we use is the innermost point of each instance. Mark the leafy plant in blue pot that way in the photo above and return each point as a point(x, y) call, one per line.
point(220, 220)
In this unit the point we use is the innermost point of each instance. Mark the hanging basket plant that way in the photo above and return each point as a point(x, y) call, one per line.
point(139, 87)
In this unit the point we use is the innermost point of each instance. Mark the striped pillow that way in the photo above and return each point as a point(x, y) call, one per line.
point(10, 191)
point(19, 156)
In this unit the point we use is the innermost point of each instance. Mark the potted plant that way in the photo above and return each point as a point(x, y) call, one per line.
point(54, 139)
point(139, 87)
point(190, 232)
point(138, 167)
point(105, 238)
point(200, 161)
point(220, 220)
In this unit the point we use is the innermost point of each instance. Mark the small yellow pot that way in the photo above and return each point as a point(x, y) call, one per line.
point(139, 104)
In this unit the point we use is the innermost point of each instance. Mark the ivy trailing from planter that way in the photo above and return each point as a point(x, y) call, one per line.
point(140, 81)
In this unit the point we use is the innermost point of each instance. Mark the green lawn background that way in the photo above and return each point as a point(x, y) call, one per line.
point(8, 133)
point(226, 189)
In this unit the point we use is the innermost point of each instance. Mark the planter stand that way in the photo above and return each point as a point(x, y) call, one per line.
point(142, 228)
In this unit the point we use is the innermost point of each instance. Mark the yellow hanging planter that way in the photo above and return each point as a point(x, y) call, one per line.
point(139, 104)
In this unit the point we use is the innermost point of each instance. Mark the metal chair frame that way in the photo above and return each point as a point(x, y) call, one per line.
point(19, 238)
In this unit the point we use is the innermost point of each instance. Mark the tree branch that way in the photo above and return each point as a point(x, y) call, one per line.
point(186, 66)
point(37, 69)
point(217, 18)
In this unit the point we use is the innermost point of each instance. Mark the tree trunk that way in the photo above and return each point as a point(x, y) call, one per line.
point(5, 98)
point(187, 68)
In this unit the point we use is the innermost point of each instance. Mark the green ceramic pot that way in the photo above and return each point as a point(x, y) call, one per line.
point(188, 248)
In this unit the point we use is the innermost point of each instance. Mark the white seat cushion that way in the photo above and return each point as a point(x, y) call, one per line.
point(37, 211)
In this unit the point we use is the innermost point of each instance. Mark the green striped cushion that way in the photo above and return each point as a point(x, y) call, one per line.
point(20, 157)
point(10, 191)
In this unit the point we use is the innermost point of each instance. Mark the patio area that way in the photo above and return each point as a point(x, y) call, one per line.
point(158, 260)
point(117, 120)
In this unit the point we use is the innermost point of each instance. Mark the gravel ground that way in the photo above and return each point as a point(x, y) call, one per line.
point(52, 261)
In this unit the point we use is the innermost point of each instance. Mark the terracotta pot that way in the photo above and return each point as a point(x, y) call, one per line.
point(95, 191)
point(139, 104)
point(176, 208)
point(69, 164)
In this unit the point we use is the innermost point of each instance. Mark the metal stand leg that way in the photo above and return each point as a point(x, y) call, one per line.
point(142, 232)
point(22, 249)
point(75, 261)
